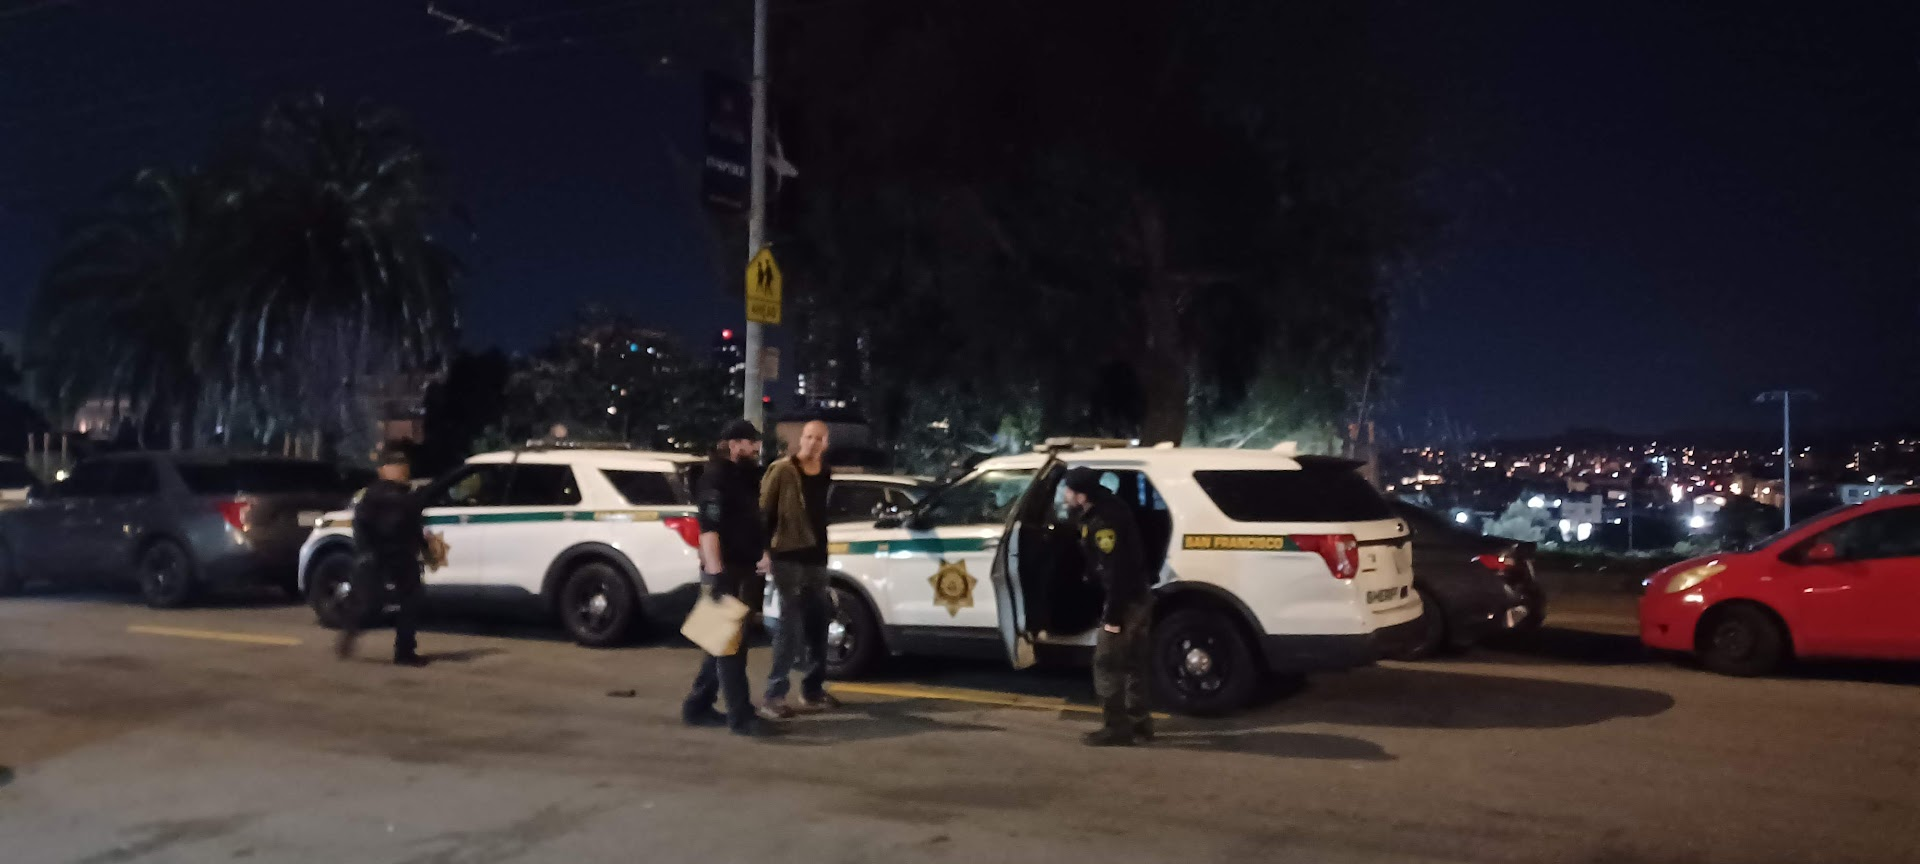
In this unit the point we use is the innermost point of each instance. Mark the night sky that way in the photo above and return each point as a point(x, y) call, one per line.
point(1648, 211)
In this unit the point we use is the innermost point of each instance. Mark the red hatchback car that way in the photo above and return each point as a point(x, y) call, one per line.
point(1844, 584)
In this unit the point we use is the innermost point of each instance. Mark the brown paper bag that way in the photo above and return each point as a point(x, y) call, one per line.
point(715, 623)
point(437, 550)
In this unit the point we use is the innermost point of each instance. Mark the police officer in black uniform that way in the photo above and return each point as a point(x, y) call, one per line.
point(390, 540)
point(1110, 544)
point(733, 561)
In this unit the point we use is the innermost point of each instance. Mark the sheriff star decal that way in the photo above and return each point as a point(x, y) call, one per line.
point(953, 587)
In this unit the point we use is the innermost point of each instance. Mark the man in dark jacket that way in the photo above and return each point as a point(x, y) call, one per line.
point(389, 539)
point(733, 561)
point(1110, 544)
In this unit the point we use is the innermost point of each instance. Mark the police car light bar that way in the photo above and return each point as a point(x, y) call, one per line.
point(574, 444)
point(1055, 445)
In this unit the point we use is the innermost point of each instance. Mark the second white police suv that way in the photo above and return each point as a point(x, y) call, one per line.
point(1267, 564)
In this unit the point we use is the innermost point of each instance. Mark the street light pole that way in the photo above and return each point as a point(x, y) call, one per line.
point(753, 409)
point(1785, 398)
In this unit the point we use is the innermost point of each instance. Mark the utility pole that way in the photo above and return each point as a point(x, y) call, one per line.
point(1785, 398)
point(754, 409)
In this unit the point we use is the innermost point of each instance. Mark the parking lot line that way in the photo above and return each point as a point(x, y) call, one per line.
point(214, 635)
point(978, 697)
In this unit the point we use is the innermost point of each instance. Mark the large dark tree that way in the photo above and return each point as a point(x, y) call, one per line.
point(1125, 213)
point(263, 296)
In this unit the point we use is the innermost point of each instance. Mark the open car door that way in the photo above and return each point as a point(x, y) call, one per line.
point(1019, 619)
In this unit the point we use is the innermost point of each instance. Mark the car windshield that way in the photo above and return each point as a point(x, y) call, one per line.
point(984, 497)
point(1781, 534)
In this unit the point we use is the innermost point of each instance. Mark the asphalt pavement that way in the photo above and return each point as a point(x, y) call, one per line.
point(232, 734)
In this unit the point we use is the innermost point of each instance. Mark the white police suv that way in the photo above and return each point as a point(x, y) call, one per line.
point(1266, 563)
point(595, 532)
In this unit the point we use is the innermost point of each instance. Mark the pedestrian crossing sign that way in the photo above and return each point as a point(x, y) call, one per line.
point(763, 288)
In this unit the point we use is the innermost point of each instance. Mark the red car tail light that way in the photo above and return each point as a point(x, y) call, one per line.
point(235, 512)
point(688, 527)
point(1340, 551)
point(1497, 563)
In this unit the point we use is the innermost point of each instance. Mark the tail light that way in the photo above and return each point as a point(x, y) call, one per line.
point(688, 527)
point(1340, 551)
point(1497, 563)
point(235, 512)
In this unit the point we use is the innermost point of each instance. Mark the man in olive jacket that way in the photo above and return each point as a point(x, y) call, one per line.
point(793, 500)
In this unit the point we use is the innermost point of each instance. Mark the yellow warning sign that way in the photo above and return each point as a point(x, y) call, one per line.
point(763, 288)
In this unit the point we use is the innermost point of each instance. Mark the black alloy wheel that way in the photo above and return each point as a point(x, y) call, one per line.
point(166, 575)
point(1203, 663)
point(598, 605)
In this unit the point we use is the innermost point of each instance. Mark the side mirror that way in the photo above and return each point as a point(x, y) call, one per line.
point(1821, 552)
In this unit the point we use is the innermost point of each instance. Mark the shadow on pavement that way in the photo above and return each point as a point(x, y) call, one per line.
point(879, 721)
point(1561, 645)
point(108, 595)
point(465, 655)
point(1414, 697)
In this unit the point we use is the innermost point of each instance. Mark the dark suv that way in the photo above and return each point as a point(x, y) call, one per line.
point(175, 522)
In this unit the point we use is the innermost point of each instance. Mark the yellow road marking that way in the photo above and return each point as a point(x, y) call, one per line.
point(978, 697)
point(214, 635)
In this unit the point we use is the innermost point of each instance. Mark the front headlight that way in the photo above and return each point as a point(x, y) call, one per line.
point(1693, 576)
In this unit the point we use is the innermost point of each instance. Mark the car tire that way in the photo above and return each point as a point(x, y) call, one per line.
point(1535, 600)
point(1203, 663)
point(1433, 634)
point(854, 646)
point(598, 605)
point(330, 592)
point(1742, 640)
point(167, 580)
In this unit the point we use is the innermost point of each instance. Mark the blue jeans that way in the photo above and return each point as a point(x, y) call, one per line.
point(800, 640)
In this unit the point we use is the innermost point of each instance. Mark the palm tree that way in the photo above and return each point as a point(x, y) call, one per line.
point(116, 314)
point(339, 275)
point(261, 297)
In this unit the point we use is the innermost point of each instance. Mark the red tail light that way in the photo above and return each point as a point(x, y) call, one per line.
point(235, 512)
point(1496, 563)
point(1340, 551)
point(688, 527)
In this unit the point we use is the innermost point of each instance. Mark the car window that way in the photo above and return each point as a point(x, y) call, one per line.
point(542, 486)
point(1883, 534)
point(264, 477)
point(645, 488)
point(133, 478)
point(14, 475)
point(1132, 487)
point(87, 479)
point(905, 498)
point(855, 502)
point(472, 486)
point(1311, 494)
point(984, 497)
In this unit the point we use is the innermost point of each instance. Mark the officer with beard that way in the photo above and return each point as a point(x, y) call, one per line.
point(1110, 545)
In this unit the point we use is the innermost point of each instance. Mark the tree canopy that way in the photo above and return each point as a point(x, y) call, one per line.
point(266, 295)
point(1131, 215)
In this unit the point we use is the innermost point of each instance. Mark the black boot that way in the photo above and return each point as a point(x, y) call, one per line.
point(1143, 730)
point(1109, 736)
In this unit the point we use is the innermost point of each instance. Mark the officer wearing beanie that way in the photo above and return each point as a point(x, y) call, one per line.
point(1110, 545)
